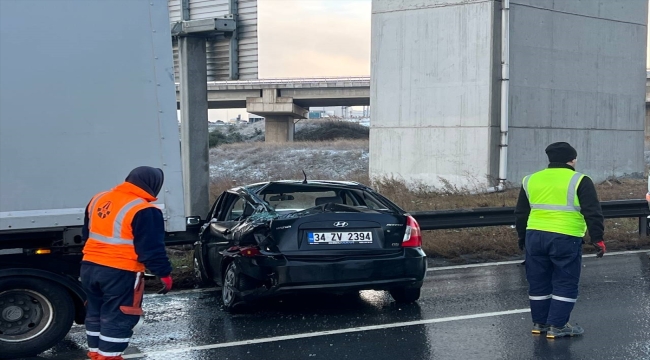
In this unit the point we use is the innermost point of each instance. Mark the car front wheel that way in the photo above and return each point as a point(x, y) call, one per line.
point(199, 270)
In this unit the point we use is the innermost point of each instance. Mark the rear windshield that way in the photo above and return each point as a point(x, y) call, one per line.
point(285, 198)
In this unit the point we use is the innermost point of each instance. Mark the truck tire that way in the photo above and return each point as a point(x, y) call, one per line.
point(35, 314)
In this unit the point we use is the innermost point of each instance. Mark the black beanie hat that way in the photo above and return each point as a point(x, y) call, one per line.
point(147, 178)
point(561, 152)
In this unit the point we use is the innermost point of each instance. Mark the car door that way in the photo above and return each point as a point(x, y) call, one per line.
point(219, 236)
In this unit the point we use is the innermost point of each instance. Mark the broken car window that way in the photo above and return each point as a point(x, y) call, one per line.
point(237, 209)
point(297, 201)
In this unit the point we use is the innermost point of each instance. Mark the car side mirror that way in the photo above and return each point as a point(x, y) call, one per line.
point(193, 220)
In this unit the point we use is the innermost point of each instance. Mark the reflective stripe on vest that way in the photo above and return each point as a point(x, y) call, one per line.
point(117, 225)
point(570, 197)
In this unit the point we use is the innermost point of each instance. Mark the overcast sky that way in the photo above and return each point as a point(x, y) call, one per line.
point(302, 38)
point(314, 38)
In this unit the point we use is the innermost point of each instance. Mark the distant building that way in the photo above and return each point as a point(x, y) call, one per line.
point(317, 114)
point(330, 111)
point(254, 118)
point(343, 112)
point(357, 113)
point(236, 120)
point(214, 125)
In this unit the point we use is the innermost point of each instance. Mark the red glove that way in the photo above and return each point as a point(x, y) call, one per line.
point(600, 246)
point(167, 282)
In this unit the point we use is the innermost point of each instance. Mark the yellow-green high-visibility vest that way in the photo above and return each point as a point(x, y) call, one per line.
point(554, 205)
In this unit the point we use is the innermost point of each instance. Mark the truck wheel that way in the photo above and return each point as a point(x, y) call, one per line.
point(34, 315)
point(405, 295)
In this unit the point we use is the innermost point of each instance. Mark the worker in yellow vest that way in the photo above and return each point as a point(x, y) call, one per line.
point(555, 208)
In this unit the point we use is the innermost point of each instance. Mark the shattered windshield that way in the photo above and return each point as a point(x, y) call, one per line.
point(263, 216)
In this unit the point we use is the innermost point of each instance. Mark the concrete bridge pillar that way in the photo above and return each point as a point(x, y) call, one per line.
point(279, 113)
point(647, 112)
point(194, 125)
point(279, 128)
point(572, 71)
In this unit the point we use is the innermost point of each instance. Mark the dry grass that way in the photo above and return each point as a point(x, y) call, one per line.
point(182, 272)
point(418, 197)
point(329, 130)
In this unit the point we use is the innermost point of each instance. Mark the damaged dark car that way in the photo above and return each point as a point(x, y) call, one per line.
point(280, 237)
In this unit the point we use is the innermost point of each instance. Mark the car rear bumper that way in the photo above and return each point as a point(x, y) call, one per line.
point(407, 268)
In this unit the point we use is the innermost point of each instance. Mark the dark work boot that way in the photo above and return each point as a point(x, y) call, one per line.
point(566, 330)
point(540, 328)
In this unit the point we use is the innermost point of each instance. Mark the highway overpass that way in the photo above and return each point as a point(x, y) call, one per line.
point(304, 92)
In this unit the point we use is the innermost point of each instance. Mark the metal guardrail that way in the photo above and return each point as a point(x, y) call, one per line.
point(467, 218)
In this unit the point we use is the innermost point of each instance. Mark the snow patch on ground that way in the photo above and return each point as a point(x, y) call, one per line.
point(261, 162)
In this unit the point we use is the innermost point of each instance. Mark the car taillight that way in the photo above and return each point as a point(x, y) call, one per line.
point(250, 251)
point(412, 235)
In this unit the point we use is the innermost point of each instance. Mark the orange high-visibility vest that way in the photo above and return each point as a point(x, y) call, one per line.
point(110, 240)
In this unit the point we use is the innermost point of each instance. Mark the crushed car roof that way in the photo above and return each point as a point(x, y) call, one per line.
point(348, 184)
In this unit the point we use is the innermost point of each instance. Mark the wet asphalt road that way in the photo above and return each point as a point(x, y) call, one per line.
point(466, 313)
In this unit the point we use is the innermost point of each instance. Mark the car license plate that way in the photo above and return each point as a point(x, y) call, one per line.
point(355, 237)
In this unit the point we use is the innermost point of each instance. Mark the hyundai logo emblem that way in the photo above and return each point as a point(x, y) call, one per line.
point(340, 224)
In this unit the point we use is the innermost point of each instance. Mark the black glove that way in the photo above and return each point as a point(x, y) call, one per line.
point(522, 244)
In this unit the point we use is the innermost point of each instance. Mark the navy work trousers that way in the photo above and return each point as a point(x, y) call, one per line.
point(113, 307)
point(553, 263)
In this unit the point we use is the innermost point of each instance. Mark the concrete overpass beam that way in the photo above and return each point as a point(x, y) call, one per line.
point(279, 113)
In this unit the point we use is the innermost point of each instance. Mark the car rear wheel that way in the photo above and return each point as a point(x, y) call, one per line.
point(34, 315)
point(405, 295)
point(234, 282)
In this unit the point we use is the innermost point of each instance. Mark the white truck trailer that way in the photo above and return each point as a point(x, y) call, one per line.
point(86, 94)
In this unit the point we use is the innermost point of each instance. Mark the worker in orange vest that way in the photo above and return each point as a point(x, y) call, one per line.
point(124, 233)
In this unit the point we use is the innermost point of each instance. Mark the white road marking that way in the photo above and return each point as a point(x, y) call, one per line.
point(468, 266)
point(512, 262)
point(328, 332)
point(181, 292)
